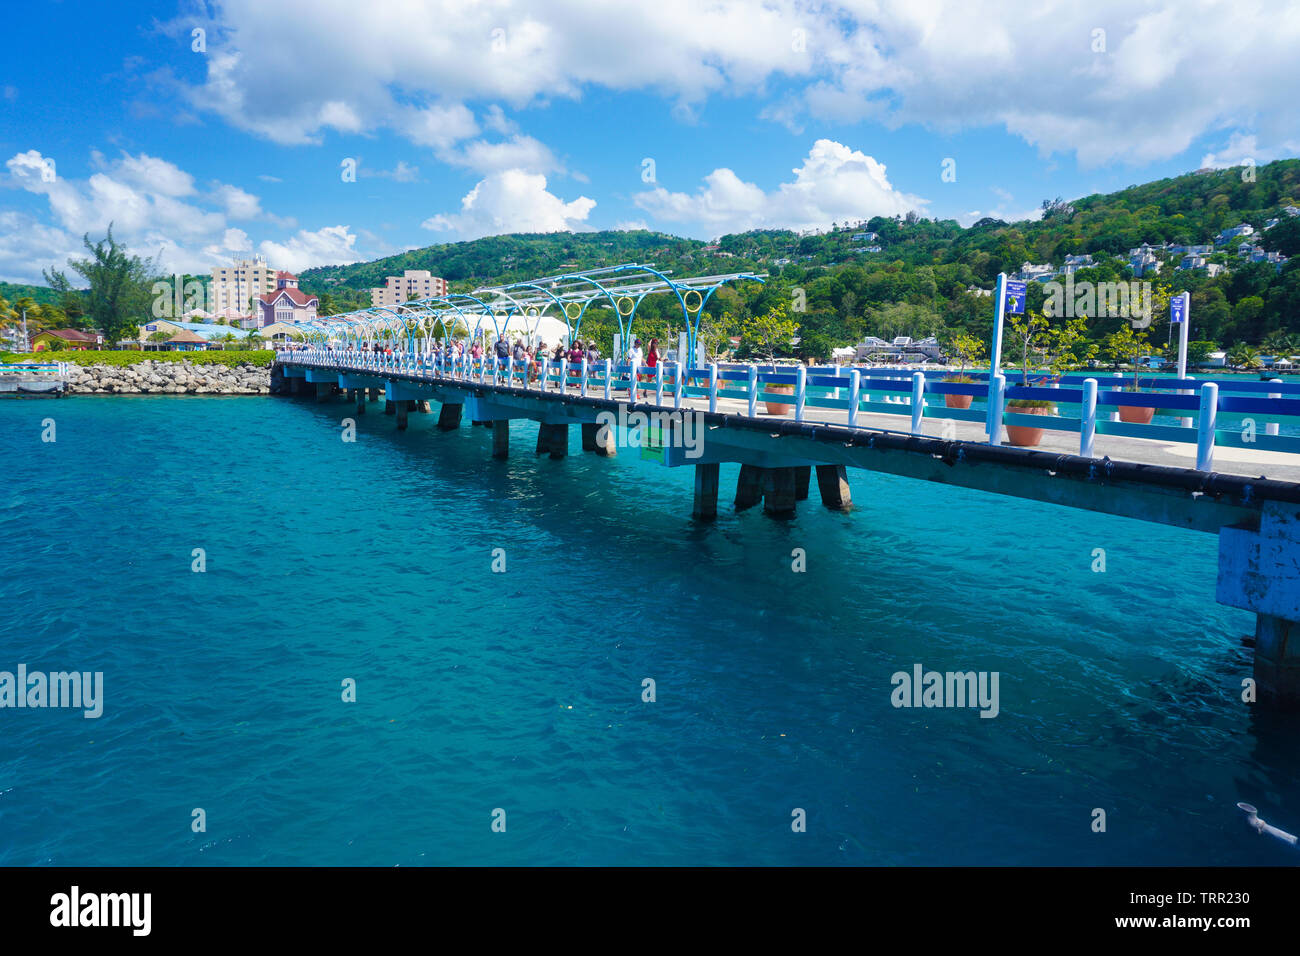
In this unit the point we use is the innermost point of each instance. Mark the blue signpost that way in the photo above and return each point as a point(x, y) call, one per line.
point(1180, 308)
point(1007, 297)
point(1015, 295)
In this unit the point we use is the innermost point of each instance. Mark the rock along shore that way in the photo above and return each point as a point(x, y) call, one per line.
point(169, 378)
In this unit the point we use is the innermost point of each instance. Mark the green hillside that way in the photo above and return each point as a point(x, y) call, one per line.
point(918, 283)
point(925, 277)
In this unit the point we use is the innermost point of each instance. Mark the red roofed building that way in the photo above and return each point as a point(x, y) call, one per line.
point(287, 304)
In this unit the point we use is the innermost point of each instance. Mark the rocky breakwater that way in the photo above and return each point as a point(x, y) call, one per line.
point(169, 378)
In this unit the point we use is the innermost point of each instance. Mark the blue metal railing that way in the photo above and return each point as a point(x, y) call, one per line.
point(1101, 402)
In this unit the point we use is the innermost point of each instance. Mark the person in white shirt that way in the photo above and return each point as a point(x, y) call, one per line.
point(637, 358)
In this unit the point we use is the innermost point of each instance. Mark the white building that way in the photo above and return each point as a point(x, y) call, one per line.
point(1075, 263)
point(233, 286)
point(1243, 229)
point(411, 284)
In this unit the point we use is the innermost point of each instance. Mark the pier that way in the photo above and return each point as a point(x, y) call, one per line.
point(790, 429)
point(34, 378)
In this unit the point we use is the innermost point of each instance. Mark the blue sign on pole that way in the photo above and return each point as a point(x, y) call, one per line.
point(1177, 310)
point(1016, 298)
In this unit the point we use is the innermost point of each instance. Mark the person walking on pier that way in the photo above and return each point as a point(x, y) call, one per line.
point(636, 358)
point(502, 350)
point(652, 359)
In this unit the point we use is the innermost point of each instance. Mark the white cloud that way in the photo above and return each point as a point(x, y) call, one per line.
point(332, 245)
point(834, 183)
point(238, 203)
point(1170, 72)
point(518, 152)
point(403, 172)
point(155, 211)
point(512, 200)
point(1243, 149)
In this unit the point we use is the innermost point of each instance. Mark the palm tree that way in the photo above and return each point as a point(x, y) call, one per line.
point(1245, 356)
point(1279, 343)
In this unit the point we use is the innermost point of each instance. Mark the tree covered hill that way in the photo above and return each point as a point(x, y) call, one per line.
point(890, 276)
point(926, 275)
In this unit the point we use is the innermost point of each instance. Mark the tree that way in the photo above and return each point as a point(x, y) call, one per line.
point(1284, 237)
point(1243, 355)
point(770, 332)
point(70, 301)
point(120, 287)
point(1029, 329)
point(966, 347)
point(1128, 344)
point(1199, 351)
point(1279, 342)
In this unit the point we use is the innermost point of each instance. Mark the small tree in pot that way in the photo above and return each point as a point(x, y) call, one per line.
point(765, 334)
point(1128, 345)
point(1063, 347)
point(968, 350)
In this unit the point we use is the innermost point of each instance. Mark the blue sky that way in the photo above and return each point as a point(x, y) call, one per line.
point(469, 119)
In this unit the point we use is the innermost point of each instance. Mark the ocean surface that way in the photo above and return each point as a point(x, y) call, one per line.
point(522, 690)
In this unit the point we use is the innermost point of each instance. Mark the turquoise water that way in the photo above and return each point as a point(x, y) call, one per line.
point(522, 690)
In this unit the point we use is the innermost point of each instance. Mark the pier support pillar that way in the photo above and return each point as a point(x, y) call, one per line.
point(802, 478)
point(374, 394)
point(422, 406)
point(500, 438)
point(324, 392)
point(403, 410)
point(589, 430)
point(1259, 570)
point(749, 487)
point(1277, 662)
point(449, 416)
point(780, 491)
point(361, 401)
point(390, 407)
point(553, 439)
point(706, 491)
point(833, 483)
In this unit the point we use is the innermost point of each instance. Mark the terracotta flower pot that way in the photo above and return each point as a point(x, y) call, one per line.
point(779, 408)
point(1136, 414)
point(958, 401)
point(1022, 435)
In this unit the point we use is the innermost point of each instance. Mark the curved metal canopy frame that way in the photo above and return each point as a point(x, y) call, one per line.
point(631, 282)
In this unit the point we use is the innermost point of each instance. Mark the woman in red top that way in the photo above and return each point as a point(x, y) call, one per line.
point(652, 355)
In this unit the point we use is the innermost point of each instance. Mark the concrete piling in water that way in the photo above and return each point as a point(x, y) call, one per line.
point(749, 487)
point(780, 491)
point(500, 438)
point(599, 438)
point(706, 491)
point(553, 439)
point(802, 478)
point(449, 416)
point(422, 406)
point(374, 394)
point(390, 407)
point(833, 483)
point(324, 392)
point(403, 411)
point(361, 401)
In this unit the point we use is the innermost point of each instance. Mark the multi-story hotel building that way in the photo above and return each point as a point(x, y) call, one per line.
point(233, 286)
point(413, 283)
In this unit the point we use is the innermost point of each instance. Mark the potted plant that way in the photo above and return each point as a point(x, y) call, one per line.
point(765, 334)
point(1129, 345)
point(1065, 347)
point(968, 350)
